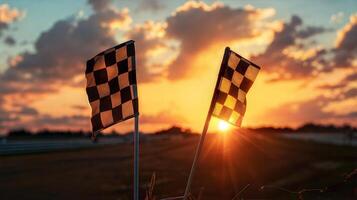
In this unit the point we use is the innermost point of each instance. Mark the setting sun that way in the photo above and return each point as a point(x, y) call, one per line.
point(223, 126)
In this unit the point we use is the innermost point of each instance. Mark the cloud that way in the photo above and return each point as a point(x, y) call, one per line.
point(61, 52)
point(80, 122)
point(310, 31)
point(197, 26)
point(351, 77)
point(58, 59)
point(28, 111)
point(12, 117)
point(22, 116)
point(352, 115)
point(344, 56)
point(40, 122)
point(307, 111)
point(74, 121)
point(151, 5)
point(331, 86)
point(148, 37)
point(337, 18)
point(100, 5)
point(14, 60)
point(280, 57)
point(5, 116)
point(7, 121)
point(351, 93)
point(313, 110)
point(10, 41)
point(346, 44)
point(8, 16)
point(80, 107)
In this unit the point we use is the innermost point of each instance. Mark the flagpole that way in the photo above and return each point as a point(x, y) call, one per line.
point(136, 159)
point(197, 154)
point(205, 127)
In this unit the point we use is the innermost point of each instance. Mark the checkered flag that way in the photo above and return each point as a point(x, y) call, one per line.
point(236, 76)
point(111, 86)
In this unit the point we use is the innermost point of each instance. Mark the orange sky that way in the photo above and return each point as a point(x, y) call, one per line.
point(178, 59)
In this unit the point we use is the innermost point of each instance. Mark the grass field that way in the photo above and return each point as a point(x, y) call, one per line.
point(228, 163)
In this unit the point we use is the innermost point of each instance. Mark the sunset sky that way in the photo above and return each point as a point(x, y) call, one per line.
point(307, 51)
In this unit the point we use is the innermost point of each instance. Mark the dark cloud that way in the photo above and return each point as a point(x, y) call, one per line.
point(39, 121)
point(287, 36)
point(151, 5)
point(291, 32)
point(76, 121)
point(10, 41)
point(11, 118)
point(351, 77)
point(61, 52)
point(351, 93)
point(275, 61)
point(59, 55)
point(6, 121)
point(311, 31)
point(100, 5)
point(20, 87)
point(344, 54)
point(346, 49)
point(73, 122)
point(352, 115)
point(18, 110)
point(28, 111)
point(197, 26)
point(6, 117)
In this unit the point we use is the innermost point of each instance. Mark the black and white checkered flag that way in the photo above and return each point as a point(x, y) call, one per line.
point(111, 86)
point(236, 76)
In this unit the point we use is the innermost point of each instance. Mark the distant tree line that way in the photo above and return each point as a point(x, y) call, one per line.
point(55, 133)
point(308, 128)
point(46, 133)
point(175, 130)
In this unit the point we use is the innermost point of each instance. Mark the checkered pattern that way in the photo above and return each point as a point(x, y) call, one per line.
point(111, 86)
point(236, 77)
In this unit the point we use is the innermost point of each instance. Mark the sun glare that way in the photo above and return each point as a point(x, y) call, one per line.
point(223, 125)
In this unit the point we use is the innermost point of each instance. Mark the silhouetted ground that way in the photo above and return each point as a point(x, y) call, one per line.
point(228, 163)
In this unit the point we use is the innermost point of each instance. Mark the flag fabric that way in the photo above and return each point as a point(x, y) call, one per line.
point(111, 86)
point(236, 76)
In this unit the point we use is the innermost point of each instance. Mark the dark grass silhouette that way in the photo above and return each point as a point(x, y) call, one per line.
point(229, 162)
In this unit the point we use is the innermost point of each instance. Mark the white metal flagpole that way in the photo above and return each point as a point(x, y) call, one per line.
point(136, 158)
